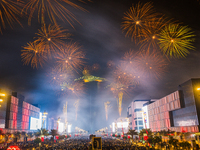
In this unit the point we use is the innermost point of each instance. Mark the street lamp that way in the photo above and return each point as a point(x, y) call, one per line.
point(2, 95)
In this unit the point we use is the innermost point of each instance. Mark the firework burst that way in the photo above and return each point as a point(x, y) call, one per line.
point(150, 35)
point(52, 9)
point(59, 76)
point(110, 64)
point(33, 54)
point(151, 64)
point(95, 67)
point(136, 18)
point(71, 56)
point(74, 88)
point(176, 41)
point(51, 38)
point(9, 12)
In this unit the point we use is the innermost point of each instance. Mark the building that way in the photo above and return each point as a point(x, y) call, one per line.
point(178, 111)
point(134, 113)
point(16, 113)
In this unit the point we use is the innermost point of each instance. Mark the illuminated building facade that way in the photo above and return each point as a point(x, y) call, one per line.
point(15, 113)
point(134, 113)
point(178, 111)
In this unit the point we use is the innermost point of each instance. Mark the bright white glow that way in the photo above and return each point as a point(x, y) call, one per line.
point(61, 127)
point(122, 125)
point(113, 127)
point(36, 123)
point(145, 117)
point(69, 128)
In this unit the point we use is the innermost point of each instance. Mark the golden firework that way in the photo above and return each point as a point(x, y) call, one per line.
point(71, 56)
point(176, 41)
point(150, 34)
point(151, 64)
point(33, 54)
point(51, 38)
point(107, 106)
point(53, 9)
point(9, 12)
point(136, 18)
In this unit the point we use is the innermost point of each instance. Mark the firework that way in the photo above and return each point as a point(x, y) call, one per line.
point(33, 54)
point(107, 106)
point(176, 41)
point(71, 56)
point(85, 1)
point(110, 64)
point(51, 8)
point(151, 64)
point(76, 105)
point(74, 88)
point(136, 18)
point(51, 38)
point(9, 10)
point(150, 35)
point(95, 67)
point(120, 96)
point(59, 76)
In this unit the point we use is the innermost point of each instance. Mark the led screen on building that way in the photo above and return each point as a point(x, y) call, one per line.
point(145, 117)
point(35, 123)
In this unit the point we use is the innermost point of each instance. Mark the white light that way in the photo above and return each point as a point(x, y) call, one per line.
point(113, 127)
point(60, 127)
point(122, 125)
point(69, 128)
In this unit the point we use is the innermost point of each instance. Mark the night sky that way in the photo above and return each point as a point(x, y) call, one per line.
point(101, 36)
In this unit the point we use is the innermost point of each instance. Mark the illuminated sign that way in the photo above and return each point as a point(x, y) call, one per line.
point(35, 123)
point(145, 117)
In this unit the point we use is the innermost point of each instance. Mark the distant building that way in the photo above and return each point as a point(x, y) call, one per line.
point(134, 113)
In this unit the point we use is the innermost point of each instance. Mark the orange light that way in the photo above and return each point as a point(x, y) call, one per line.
point(137, 22)
point(1, 94)
point(198, 89)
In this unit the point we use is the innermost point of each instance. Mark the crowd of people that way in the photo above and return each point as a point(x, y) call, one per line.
point(77, 144)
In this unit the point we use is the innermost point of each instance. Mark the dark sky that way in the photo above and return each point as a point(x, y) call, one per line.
point(102, 39)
